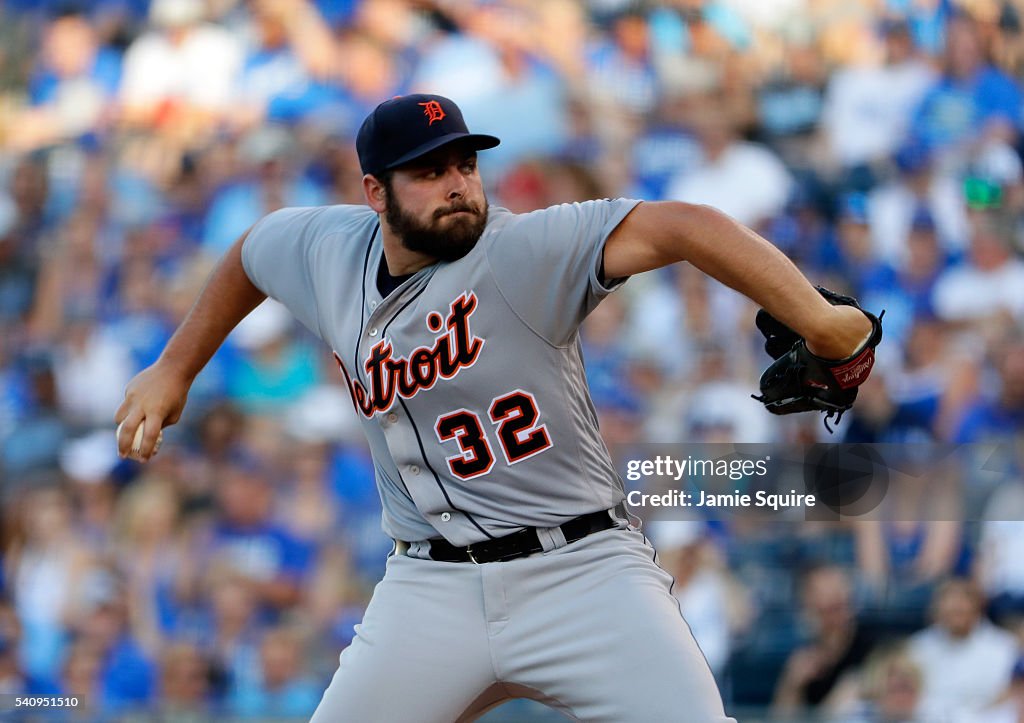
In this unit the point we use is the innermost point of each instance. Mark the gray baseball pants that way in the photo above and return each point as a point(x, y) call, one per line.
point(590, 629)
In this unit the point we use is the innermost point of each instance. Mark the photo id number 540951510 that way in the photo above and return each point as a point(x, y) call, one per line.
point(14, 702)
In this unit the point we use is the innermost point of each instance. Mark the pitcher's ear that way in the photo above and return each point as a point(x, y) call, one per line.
point(376, 193)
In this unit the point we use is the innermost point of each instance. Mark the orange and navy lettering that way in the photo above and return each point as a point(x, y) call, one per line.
point(433, 111)
point(390, 375)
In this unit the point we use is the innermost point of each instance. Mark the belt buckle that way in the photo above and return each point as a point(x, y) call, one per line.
point(472, 557)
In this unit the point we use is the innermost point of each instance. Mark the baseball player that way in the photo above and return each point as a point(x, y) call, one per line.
point(516, 571)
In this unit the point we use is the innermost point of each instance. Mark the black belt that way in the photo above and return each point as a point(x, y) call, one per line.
point(522, 543)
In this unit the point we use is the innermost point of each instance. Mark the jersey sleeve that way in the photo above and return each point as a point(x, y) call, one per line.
point(547, 264)
point(277, 257)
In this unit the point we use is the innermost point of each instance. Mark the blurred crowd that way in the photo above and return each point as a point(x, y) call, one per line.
point(878, 143)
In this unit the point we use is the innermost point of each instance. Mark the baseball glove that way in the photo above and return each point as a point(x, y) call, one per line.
point(799, 381)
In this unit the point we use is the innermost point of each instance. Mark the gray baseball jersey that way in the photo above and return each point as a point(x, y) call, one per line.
point(469, 381)
point(468, 377)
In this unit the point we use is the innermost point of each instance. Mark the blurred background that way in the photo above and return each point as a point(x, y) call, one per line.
point(878, 143)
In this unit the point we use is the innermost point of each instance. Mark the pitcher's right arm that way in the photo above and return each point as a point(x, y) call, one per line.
point(158, 393)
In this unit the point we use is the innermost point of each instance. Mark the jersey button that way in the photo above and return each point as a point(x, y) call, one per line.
point(446, 516)
point(373, 304)
point(414, 469)
point(373, 331)
point(392, 417)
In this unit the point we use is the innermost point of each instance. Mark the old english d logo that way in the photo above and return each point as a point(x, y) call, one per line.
point(433, 111)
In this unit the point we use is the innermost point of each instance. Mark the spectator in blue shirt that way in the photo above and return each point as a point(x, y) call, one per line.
point(184, 682)
point(72, 85)
point(1001, 416)
point(71, 53)
point(283, 689)
point(271, 183)
point(247, 540)
point(126, 676)
point(972, 102)
point(287, 74)
point(37, 431)
point(905, 290)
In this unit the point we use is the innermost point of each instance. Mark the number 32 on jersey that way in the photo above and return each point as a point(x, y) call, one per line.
point(514, 416)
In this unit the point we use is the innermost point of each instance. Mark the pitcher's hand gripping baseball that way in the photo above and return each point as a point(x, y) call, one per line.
point(154, 399)
point(801, 381)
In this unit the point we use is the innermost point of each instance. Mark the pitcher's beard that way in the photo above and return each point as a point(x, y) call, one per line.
point(444, 241)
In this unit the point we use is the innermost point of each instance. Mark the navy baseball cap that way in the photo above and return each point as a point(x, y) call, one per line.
point(404, 128)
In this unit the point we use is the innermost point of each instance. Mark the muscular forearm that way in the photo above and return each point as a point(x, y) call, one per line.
point(226, 299)
point(743, 260)
point(739, 258)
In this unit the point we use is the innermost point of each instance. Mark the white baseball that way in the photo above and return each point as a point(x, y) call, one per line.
point(140, 432)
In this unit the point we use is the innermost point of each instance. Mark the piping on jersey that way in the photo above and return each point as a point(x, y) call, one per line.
point(362, 304)
point(455, 349)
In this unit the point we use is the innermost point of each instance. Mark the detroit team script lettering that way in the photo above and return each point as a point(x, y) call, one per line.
point(454, 348)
